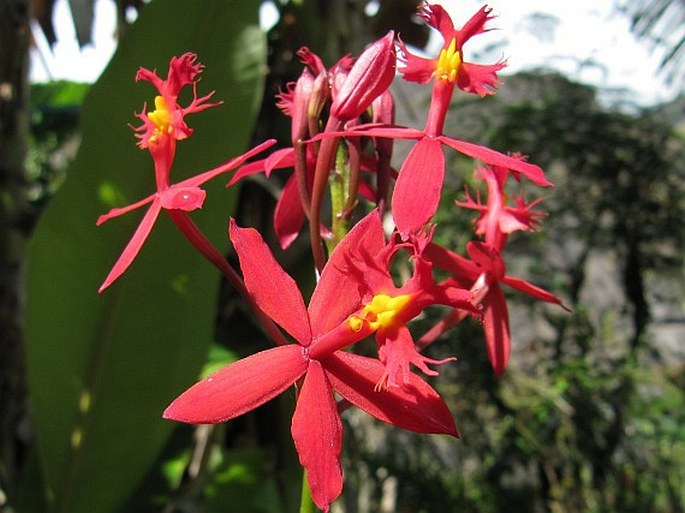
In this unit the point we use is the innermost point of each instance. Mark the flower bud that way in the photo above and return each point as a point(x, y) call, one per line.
point(370, 76)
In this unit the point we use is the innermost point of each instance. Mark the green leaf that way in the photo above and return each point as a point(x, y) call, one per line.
point(243, 482)
point(103, 367)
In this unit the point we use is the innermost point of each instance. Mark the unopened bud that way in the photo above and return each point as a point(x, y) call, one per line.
point(370, 76)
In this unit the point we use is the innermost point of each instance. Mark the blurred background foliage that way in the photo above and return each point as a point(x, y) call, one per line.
point(590, 415)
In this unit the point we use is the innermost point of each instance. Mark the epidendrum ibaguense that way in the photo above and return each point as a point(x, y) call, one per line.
point(343, 129)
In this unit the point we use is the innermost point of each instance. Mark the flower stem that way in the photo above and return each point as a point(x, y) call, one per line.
point(198, 239)
point(324, 162)
point(306, 502)
point(338, 184)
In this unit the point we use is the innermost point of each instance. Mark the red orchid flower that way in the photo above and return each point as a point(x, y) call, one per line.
point(167, 120)
point(387, 308)
point(177, 199)
point(497, 219)
point(449, 68)
point(321, 331)
point(161, 129)
point(485, 259)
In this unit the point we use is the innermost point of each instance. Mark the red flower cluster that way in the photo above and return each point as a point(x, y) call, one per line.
point(342, 130)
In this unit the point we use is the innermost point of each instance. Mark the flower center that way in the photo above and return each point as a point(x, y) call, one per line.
point(382, 312)
point(448, 63)
point(160, 117)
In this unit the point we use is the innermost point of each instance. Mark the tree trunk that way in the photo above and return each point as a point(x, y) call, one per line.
point(15, 223)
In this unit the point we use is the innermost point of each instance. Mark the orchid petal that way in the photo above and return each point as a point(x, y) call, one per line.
point(198, 180)
point(317, 433)
point(337, 294)
point(475, 25)
point(374, 130)
point(488, 258)
point(416, 406)
point(396, 350)
point(531, 290)
point(480, 79)
point(133, 247)
point(459, 266)
point(275, 292)
point(417, 190)
point(116, 212)
point(496, 326)
point(279, 159)
point(239, 387)
point(437, 17)
point(534, 173)
point(288, 215)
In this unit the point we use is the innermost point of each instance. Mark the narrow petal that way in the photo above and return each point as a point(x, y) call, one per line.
point(417, 190)
point(317, 432)
point(534, 173)
point(133, 247)
point(531, 290)
point(279, 159)
point(289, 215)
point(337, 294)
point(116, 212)
point(239, 387)
point(415, 406)
point(251, 168)
point(198, 180)
point(273, 289)
point(496, 325)
point(461, 267)
point(374, 130)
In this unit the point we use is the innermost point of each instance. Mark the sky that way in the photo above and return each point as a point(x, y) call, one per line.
point(587, 40)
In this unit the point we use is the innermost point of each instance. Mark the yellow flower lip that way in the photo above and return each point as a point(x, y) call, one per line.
point(161, 117)
point(382, 312)
point(449, 61)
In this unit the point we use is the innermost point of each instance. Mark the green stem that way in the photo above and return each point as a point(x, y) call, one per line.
point(339, 188)
point(306, 503)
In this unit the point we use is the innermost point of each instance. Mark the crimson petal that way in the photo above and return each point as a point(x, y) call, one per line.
point(415, 406)
point(496, 326)
point(337, 294)
point(531, 290)
point(239, 387)
point(534, 173)
point(288, 216)
point(417, 190)
point(272, 288)
point(133, 247)
point(317, 432)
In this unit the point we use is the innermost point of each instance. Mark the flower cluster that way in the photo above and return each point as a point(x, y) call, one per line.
point(342, 133)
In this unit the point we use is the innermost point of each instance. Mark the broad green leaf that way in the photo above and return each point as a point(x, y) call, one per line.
point(103, 367)
point(243, 482)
